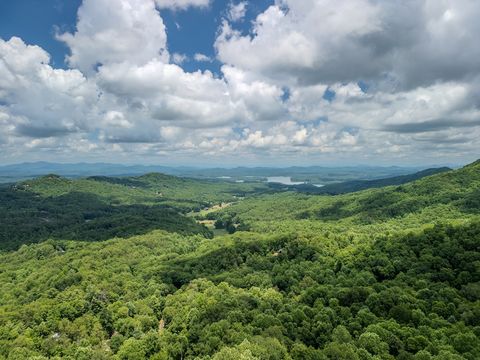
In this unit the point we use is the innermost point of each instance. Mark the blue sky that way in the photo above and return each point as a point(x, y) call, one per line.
point(209, 82)
point(195, 30)
point(189, 32)
point(36, 22)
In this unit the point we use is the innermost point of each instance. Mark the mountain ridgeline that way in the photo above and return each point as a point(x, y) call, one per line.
point(451, 195)
point(141, 268)
point(357, 185)
point(320, 174)
point(99, 208)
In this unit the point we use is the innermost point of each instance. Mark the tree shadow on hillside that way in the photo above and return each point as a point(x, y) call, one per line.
point(119, 181)
point(250, 254)
point(440, 255)
point(377, 206)
point(26, 217)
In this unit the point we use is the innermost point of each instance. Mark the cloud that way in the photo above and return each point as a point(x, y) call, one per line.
point(179, 58)
point(436, 107)
point(320, 80)
point(304, 43)
point(259, 100)
point(236, 12)
point(117, 119)
point(116, 31)
point(202, 58)
point(164, 92)
point(425, 126)
point(181, 4)
point(40, 101)
point(312, 42)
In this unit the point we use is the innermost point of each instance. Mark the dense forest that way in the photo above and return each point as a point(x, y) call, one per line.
point(100, 208)
point(357, 185)
point(133, 268)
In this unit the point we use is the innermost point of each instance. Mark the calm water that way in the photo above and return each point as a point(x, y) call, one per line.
point(285, 180)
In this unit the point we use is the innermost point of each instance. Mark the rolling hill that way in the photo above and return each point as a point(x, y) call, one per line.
point(387, 273)
point(357, 185)
point(99, 208)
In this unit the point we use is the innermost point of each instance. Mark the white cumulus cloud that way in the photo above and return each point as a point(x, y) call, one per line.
point(366, 80)
point(236, 12)
point(202, 58)
point(181, 4)
point(116, 31)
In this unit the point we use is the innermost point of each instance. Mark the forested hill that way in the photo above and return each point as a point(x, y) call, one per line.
point(99, 208)
point(453, 195)
point(357, 185)
point(381, 274)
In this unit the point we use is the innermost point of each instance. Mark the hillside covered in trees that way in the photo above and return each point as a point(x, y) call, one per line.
point(128, 268)
point(99, 207)
point(357, 185)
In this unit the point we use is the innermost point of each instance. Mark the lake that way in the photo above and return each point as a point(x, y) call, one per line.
point(285, 180)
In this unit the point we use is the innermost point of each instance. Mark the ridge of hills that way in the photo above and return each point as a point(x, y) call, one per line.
point(320, 174)
point(357, 185)
point(382, 273)
point(448, 195)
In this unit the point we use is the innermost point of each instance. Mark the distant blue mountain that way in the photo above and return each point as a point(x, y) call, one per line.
point(309, 174)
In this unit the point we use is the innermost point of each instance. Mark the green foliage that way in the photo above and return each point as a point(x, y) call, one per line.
point(26, 217)
point(100, 208)
point(358, 185)
point(392, 273)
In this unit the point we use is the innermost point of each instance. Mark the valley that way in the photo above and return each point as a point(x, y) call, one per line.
point(161, 267)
